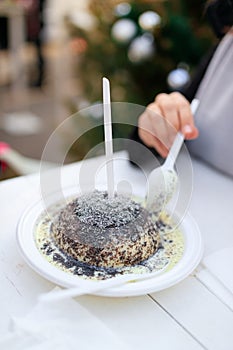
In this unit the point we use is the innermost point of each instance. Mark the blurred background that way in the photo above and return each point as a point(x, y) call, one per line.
point(53, 55)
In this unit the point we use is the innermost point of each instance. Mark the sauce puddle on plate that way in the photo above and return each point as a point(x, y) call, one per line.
point(165, 258)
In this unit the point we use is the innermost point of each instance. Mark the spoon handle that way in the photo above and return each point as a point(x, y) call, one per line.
point(90, 287)
point(175, 149)
point(108, 137)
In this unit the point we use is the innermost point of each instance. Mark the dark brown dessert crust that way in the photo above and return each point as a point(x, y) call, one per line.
point(110, 240)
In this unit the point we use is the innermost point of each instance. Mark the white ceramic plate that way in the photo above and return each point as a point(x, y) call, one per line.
point(192, 255)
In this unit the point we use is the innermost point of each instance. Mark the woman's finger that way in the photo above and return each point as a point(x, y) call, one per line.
point(169, 110)
point(152, 121)
point(186, 120)
point(153, 142)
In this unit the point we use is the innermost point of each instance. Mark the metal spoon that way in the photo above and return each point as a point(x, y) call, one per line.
point(162, 181)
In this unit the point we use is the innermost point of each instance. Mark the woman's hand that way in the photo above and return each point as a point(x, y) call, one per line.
point(162, 119)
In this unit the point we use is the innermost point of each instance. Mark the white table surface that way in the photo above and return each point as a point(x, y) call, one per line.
point(195, 314)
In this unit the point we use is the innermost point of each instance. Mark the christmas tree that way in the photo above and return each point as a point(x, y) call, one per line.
point(143, 47)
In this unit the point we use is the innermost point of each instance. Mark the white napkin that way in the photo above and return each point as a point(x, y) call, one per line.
point(61, 326)
point(217, 274)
